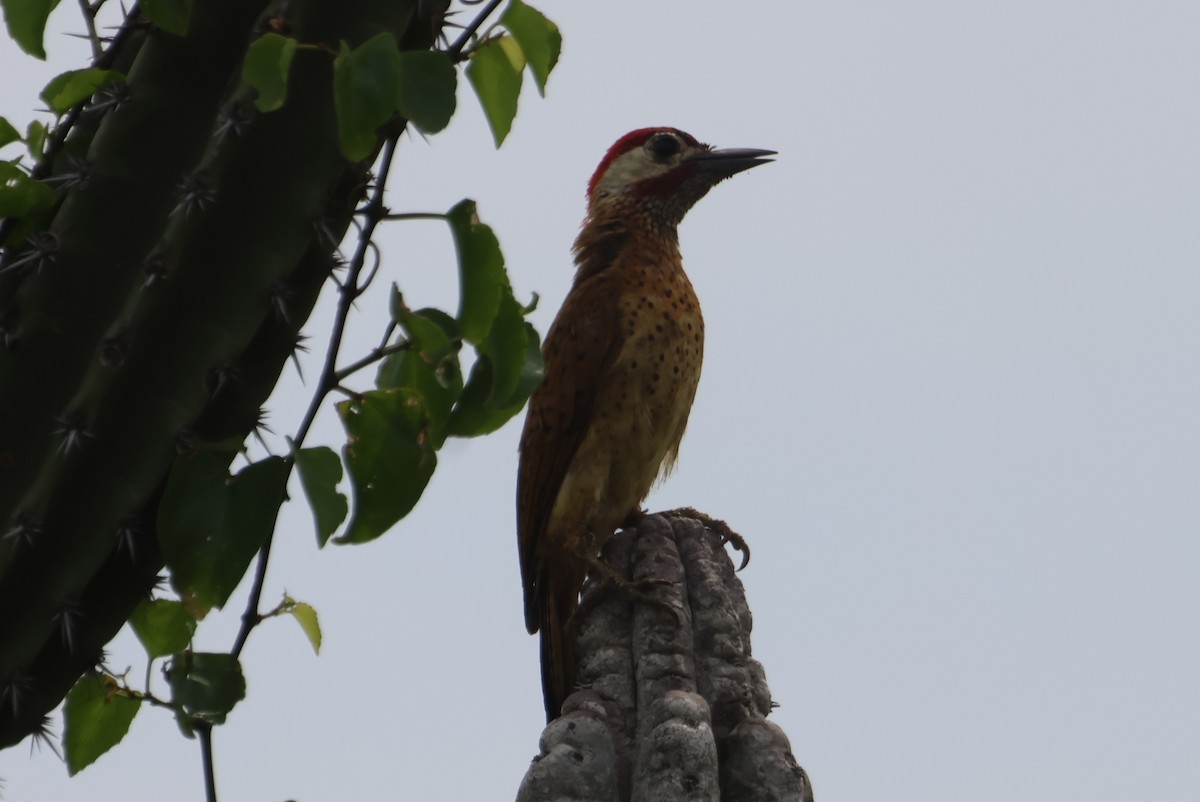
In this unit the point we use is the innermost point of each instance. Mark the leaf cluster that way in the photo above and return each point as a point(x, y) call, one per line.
point(437, 374)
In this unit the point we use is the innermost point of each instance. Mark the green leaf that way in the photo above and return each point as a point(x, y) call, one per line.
point(479, 411)
point(268, 62)
point(438, 385)
point(306, 617)
point(72, 88)
point(206, 684)
point(444, 321)
point(35, 139)
point(430, 331)
point(21, 196)
point(495, 74)
point(480, 271)
point(538, 37)
point(505, 348)
point(365, 86)
point(429, 366)
point(211, 525)
point(26, 20)
point(170, 15)
point(425, 93)
point(24, 201)
point(390, 457)
point(320, 471)
point(532, 370)
point(8, 134)
point(472, 416)
point(95, 719)
point(163, 626)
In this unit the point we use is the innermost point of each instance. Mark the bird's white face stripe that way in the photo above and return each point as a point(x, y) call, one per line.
point(627, 170)
point(636, 165)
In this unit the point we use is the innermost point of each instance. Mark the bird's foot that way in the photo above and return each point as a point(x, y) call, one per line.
point(632, 519)
point(641, 592)
point(720, 527)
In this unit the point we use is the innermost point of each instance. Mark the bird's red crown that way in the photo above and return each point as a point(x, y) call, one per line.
point(634, 139)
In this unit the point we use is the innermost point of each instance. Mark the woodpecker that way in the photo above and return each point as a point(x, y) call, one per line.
point(622, 362)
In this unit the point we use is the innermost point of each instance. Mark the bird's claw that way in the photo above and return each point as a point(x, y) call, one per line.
point(642, 591)
point(721, 528)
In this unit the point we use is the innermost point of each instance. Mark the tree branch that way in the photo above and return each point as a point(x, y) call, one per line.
point(204, 731)
point(455, 50)
point(349, 291)
point(376, 355)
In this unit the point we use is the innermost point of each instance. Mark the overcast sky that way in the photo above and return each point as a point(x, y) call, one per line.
point(951, 396)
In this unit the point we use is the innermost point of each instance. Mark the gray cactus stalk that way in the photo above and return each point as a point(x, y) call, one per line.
point(672, 705)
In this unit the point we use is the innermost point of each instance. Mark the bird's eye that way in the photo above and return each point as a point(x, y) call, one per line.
point(664, 146)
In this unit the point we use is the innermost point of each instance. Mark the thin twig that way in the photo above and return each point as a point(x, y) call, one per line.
point(348, 292)
point(149, 698)
point(387, 334)
point(415, 216)
point(455, 50)
point(376, 355)
point(206, 756)
point(375, 262)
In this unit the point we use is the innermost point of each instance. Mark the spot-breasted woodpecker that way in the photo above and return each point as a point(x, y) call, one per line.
point(622, 362)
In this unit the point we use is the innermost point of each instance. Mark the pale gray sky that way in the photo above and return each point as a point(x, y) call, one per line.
point(951, 396)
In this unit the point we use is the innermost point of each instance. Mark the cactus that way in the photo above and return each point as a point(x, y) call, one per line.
point(156, 312)
point(672, 705)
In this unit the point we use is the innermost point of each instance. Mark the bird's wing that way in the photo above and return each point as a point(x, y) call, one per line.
point(580, 348)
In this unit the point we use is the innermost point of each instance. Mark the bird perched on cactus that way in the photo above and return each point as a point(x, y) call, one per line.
point(622, 362)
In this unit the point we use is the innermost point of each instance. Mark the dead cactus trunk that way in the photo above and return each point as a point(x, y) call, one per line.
point(671, 706)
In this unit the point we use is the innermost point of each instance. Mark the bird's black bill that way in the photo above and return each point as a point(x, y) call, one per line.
point(726, 162)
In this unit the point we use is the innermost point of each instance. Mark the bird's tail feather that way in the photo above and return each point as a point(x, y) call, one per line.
point(558, 645)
